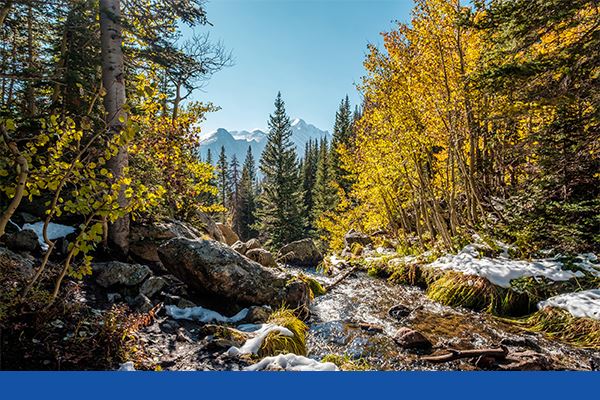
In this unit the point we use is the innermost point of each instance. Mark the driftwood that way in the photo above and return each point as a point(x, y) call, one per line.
point(341, 278)
point(499, 353)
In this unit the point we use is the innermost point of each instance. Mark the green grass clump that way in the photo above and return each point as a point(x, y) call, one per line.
point(275, 343)
point(561, 325)
point(345, 363)
point(477, 293)
point(412, 274)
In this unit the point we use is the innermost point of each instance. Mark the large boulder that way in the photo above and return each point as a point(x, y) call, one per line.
point(119, 273)
point(301, 252)
point(230, 236)
point(263, 257)
point(215, 269)
point(204, 223)
point(146, 237)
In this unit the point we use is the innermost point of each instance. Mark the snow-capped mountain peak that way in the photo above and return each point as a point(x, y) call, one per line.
point(237, 142)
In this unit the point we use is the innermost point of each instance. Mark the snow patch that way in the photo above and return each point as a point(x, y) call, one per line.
point(584, 304)
point(126, 366)
point(260, 332)
point(54, 231)
point(291, 362)
point(203, 314)
point(500, 271)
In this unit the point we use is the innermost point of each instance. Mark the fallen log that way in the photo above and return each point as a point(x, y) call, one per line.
point(499, 353)
point(341, 278)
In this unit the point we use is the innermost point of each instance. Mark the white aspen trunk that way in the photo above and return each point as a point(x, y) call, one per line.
point(114, 100)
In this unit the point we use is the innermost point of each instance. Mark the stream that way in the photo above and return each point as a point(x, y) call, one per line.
point(353, 320)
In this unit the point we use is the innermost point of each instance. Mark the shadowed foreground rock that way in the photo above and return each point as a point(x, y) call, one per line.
point(213, 268)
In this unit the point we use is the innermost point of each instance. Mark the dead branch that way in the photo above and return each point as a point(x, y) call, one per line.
point(453, 354)
point(341, 278)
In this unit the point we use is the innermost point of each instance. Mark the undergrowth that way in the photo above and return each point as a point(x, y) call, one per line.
point(561, 325)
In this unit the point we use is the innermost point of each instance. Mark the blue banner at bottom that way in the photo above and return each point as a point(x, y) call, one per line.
point(304, 385)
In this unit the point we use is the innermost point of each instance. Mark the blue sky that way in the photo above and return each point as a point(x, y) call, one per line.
point(311, 50)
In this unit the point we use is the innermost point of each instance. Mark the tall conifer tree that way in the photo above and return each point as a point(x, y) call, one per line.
point(281, 208)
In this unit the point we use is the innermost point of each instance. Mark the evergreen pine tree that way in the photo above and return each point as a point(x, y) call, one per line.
point(245, 214)
point(324, 193)
point(234, 181)
point(342, 134)
point(223, 178)
point(281, 208)
point(309, 174)
point(209, 157)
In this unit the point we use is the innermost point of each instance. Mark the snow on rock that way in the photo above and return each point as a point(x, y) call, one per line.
point(259, 333)
point(54, 231)
point(291, 362)
point(126, 366)
point(203, 314)
point(500, 271)
point(579, 304)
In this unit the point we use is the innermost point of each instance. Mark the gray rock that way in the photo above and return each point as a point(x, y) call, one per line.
point(185, 303)
point(399, 312)
point(24, 240)
point(253, 244)
point(302, 253)
point(146, 237)
point(113, 297)
point(410, 339)
point(213, 268)
point(118, 273)
point(240, 247)
point(258, 314)
point(152, 286)
point(142, 304)
point(356, 237)
point(21, 264)
point(230, 236)
point(263, 257)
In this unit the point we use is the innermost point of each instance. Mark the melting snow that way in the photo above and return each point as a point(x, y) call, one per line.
point(579, 304)
point(203, 314)
point(260, 333)
point(54, 231)
point(500, 271)
point(291, 362)
point(126, 366)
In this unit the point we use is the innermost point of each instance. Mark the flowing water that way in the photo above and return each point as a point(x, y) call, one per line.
point(354, 319)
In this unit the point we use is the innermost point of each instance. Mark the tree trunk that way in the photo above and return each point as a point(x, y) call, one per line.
point(23, 172)
point(5, 10)
point(114, 100)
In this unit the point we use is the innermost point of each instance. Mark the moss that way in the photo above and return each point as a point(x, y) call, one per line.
point(560, 325)
point(316, 289)
point(275, 343)
point(345, 363)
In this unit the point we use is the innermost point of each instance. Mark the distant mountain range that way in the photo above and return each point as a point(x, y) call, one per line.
point(237, 142)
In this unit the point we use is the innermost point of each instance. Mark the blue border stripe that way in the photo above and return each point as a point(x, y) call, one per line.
point(285, 386)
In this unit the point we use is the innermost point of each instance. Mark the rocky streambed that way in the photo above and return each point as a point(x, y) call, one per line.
point(370, 323)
